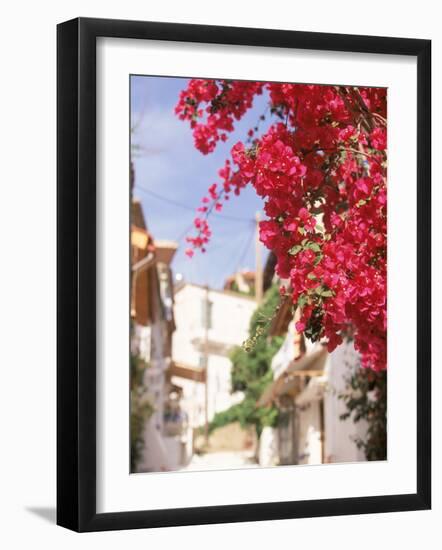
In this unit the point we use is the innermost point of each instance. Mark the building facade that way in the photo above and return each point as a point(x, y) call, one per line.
point(209, 323)
point(308, 383)
point(152, 326)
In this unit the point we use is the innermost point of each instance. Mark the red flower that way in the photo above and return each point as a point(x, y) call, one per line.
point(378, 139)
point(322, 176)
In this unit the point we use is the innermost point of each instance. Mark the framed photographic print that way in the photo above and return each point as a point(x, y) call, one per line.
point(243, 256)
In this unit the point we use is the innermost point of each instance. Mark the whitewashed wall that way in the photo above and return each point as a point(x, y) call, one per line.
point(340, 434)
point(231, 315)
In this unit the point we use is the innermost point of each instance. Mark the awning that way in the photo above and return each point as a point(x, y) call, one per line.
point(311, 364)
point(212, 346)
point(165, 251)
point(187, 371)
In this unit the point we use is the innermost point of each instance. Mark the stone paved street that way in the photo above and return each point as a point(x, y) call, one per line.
point(221, 461)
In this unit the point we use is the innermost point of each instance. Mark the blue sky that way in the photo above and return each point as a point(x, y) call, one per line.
point(167, 166)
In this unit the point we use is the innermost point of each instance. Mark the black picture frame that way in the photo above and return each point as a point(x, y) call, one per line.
point(76, 274)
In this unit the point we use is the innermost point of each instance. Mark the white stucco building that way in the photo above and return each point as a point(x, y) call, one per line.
point(158, 445)
point(208, 323)
point(323, 436)
point(306, 390)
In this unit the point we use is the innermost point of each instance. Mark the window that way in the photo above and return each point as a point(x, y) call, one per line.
point(202, 362)
point(206, 313)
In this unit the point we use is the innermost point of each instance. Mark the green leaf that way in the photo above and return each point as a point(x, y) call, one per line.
point(302, 300)
point(324, 292)
point(311, 276)
point(314, 246)
point(327, 293)
point(295, 249)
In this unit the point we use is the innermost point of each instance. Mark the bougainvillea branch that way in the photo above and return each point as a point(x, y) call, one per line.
point(321, 170)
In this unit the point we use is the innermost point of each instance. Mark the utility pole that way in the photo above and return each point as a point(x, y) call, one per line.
point(258, 263)
point(206, 364)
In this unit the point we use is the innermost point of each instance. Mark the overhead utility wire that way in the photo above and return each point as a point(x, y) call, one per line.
point(187, 207)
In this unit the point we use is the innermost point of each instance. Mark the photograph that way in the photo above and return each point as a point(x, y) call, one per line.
point(226, 319)
point(258, 276)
